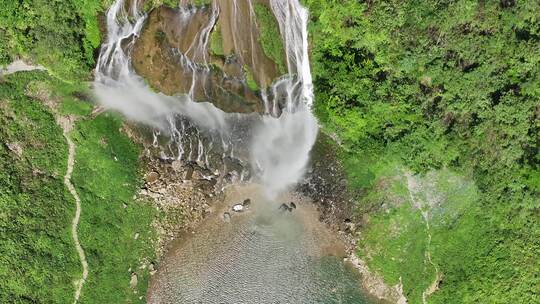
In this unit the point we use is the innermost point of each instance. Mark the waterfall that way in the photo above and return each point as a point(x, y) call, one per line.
point(292, 19)
point(275, 146)
point(280, 150)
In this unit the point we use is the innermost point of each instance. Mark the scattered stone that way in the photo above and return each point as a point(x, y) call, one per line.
point(177, 165)
point(152, 177)
point(238, 208)
point(350, 226)
point(226, 217)
point(285, 207)
point(15, 148)
point(246, 203)
point(134, 280)
point(426, 81)
point(136, 235)
point(124, 205)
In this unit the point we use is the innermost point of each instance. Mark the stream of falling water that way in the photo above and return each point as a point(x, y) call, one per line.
point(263, 257)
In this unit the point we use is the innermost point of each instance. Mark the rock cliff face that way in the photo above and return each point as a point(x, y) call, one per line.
point(213, 53)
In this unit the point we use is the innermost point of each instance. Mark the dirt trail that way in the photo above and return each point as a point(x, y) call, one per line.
point(19, 66)
point(66, 123)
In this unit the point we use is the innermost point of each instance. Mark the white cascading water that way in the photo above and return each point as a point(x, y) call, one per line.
point(279, 146)
point(282, 145)
point(292, 19)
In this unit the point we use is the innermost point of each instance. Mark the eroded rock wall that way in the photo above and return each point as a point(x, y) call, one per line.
point(212, 53)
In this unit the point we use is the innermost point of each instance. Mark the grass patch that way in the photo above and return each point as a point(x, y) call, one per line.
point(36, 248)
point(250, 80)
point(107, 176)
point(394, 245)
point(394, 240)
point(216, 41)
point(270, 37)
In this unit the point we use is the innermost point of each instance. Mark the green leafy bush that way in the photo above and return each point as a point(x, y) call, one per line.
point(36, 249)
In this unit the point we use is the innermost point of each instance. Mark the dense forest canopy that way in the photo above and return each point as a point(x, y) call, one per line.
point(444, 84)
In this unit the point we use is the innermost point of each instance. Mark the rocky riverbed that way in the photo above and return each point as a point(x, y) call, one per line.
point(197, 206)
point(263, 255)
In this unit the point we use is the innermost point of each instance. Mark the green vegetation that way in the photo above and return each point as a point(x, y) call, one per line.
point(61, 35)
point(202, 2)
point(269, 37)
point(250, 80)
point(216, 41)
point(396, 240)
point(36, 210)
point(424, 86)
point(36, 249)
point(106, 177)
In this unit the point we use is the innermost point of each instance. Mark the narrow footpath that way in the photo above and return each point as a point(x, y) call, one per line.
point(66, 125)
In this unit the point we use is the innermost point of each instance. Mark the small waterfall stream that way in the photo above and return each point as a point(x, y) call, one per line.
point(274, 146)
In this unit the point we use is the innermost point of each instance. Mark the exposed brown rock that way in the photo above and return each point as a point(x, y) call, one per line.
point(170, 51)
point(152, 177)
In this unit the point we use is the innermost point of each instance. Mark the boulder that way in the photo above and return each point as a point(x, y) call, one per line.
point(246, 203)
point(285, 207)
point(238, 208)
point(133, 281)
point(152, 177)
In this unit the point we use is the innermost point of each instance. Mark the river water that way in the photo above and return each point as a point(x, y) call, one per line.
point(263, 255)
